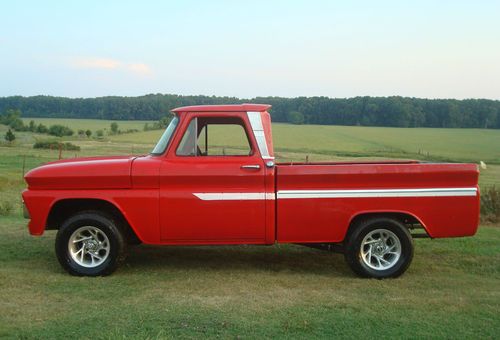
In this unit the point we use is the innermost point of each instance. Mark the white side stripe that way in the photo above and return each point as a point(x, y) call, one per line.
point(427, 192)
point(286, 194)
point(233, 196)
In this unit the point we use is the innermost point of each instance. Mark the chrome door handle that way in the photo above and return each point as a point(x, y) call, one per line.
point(253, 166)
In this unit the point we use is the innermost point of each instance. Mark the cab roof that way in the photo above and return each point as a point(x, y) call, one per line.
point(223, 108)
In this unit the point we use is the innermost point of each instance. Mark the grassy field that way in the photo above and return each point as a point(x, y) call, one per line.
point(91, 124)
point(471, 145)
point(451, 289)
point(319, 143)
point(322, 143)
point(292, 143)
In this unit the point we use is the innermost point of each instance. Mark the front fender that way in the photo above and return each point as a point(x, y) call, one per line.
point(139, 208)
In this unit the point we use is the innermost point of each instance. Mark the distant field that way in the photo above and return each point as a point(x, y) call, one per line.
point(423, 143)
point(317, 142)
point(452, 144)
point(320, 143)
point(472, 145)
point(292, 143)
point(92, 124)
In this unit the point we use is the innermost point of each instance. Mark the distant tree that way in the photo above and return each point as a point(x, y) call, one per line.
point(32, 126)
point(88, 133)
point(9, 115)
point(10, 136)
point(295, 117)
point(12, 118)
point(18, 125)
point(81, 133)
point(41, 128)
point(60, 130)
point(164, 121)
point(99, 133)
point(114, 128)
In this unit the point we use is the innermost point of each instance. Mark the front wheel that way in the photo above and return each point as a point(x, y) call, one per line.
point(90, 244)
point(379, 248)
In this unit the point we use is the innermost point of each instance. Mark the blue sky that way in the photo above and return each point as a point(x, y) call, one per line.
point(433, 49)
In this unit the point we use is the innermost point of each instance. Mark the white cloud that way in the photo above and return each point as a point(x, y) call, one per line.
point(96, 63)
point(110, 64)
point(140, 68)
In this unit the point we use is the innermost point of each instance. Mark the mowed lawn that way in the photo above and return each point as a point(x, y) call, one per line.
point(451, 290)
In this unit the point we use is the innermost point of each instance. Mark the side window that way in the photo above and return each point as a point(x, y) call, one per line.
point(215, 136)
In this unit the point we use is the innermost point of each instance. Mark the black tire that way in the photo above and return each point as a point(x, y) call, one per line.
point(364, 266)
point(106, 229)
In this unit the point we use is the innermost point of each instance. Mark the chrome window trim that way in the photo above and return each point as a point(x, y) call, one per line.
point(259, 134)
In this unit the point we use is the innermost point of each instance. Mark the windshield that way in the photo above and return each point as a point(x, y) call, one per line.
point(166, 137)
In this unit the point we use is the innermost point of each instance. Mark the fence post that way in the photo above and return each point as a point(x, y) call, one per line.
point(24, 165)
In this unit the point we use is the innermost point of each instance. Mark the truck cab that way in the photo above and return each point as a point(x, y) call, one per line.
point(217, 176)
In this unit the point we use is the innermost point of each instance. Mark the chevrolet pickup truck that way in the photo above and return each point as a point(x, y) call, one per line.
point(212, 180)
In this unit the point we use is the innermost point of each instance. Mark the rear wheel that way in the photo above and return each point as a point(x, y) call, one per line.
point(379, 248)
point(90, 244)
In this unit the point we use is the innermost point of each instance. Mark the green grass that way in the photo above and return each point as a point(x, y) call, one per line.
point(469, 145)
point(91, 124)
point(292, 143)
point(451, 289)
point(321, 143)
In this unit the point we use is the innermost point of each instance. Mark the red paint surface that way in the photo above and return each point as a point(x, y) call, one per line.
point(155, 193)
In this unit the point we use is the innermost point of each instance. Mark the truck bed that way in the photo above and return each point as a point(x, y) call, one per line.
point(316, 202)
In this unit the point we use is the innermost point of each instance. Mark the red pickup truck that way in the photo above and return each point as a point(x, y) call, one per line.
point(212, 180)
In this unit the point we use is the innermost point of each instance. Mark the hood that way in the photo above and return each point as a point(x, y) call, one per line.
point(83, 173)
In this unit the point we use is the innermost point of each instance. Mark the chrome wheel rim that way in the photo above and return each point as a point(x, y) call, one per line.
point(380, 249)
point(88, 246)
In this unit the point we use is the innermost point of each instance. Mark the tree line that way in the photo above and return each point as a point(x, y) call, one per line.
point(12, 118)
point(366, 111)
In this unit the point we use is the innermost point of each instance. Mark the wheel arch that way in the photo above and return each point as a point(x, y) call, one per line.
point(409, 220)
point(64, 208)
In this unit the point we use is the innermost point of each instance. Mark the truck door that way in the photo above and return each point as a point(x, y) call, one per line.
point(212, 183)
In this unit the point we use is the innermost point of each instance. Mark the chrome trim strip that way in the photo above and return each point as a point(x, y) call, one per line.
point(255, 120)
point(288, 194)
point(258, 132)
point(234, 196)
point(270, 196)
point(424, 192)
